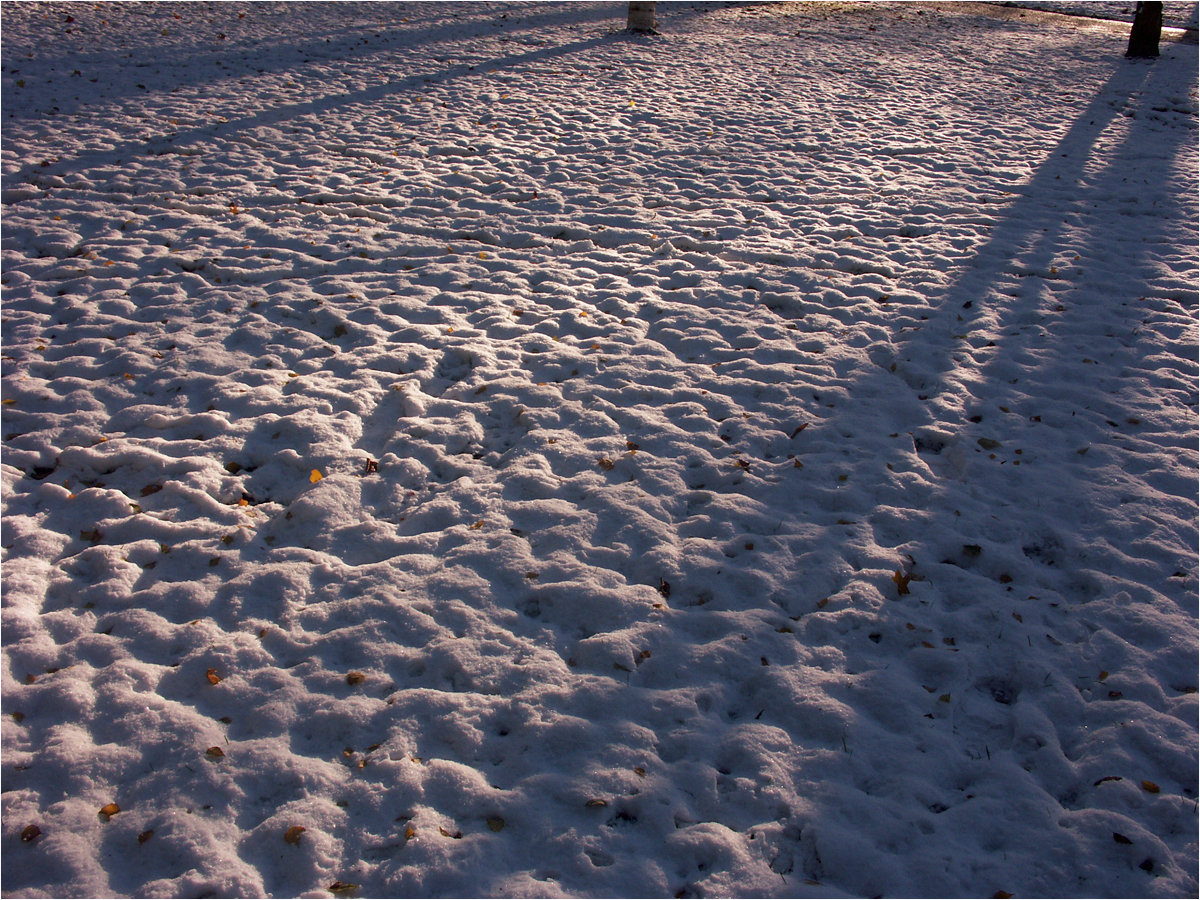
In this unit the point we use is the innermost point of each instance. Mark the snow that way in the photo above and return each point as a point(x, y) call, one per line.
point(757, 459)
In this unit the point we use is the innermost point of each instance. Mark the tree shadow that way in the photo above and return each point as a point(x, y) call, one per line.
point(348, 48)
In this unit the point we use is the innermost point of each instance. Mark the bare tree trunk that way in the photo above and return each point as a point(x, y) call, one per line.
point(1146, 30)
point(641, 17)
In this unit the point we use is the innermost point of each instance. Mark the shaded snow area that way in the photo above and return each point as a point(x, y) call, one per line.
point(1176, 13)
point(466, 450)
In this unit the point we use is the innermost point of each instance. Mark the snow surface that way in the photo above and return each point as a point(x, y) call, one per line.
point(758, 459)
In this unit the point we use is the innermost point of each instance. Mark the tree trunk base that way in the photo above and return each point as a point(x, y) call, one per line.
point(1146, 31)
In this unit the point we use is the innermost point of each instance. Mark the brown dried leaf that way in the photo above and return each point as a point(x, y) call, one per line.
point(31, 833)
point(292, 835)
point(342, 887)
point(215, 752)
point(1150, 787)
point(109, 810)
point(355, 678)
point(902, 581)
point(145, 836)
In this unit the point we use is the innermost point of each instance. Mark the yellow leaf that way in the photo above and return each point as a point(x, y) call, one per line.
point(109, 810)
point(315, 476)
point(409, 832)
point(1150, 787)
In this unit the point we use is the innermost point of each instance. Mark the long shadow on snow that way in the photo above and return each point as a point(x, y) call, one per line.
point(324, 106)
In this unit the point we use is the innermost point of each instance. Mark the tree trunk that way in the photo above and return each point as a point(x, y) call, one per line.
point(1146, 30)
point(641, 17)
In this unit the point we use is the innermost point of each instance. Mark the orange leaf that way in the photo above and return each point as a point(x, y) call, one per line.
point(110, 810)
point(292, 835)
point(902, 581)
point(1150, 787)
point(213, 677)
point(315, 476)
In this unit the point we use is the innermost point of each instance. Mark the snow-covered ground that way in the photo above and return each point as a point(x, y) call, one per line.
point(1176, 13)
point(467, 450)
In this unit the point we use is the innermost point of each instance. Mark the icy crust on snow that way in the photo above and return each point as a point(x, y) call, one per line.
point(754, 460)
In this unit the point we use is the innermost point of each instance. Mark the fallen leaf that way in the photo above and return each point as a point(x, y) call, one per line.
point(664, 588)
point(1150, 787)
point(342, 887)
point(639, 771)
point(593, 804)
point(1107, 778)
point(315, 476)
point(355, 678)
point(988, 443)
point(605, 463)
point(145, 836)
point(902, 581)
point(31, 833)
point(409, 832)
point(213, 677)
point(799, 429)
point(292, 835)
point(456, 835)
point(1121, 839)
point(109, 810)
point(1001, 895)
point(215, 752)
point(495, 823)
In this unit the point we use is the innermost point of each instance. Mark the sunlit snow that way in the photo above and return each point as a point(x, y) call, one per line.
point(467, 450)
